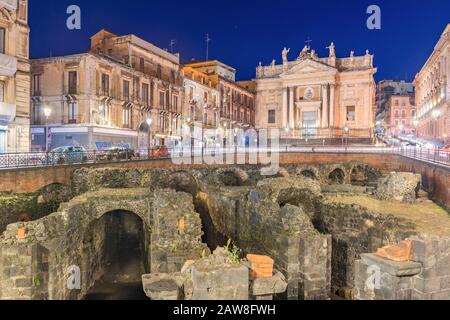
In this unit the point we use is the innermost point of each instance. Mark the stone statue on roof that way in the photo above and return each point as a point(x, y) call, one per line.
point(284, 54)
point(332, 49)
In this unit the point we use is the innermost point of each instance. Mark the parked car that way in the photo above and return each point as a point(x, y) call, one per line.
point(445, 151)
point(116, 153)
point(161, 152)
point(68, 154)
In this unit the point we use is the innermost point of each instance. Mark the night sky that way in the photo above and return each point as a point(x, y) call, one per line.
point(244, 32)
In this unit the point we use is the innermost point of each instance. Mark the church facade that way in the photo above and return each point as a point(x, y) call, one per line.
point(313, 98)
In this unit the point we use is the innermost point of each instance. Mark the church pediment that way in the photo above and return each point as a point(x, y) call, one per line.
point(308, 66)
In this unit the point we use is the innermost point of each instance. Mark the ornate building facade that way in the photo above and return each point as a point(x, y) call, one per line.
point(400, 115)
point(14, 76)
point(317, 98)
point(201, 107)
point(235, 105)
point(125, 91)
point(432, 85)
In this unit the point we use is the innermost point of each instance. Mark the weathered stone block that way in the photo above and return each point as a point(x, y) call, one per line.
point(268, 286)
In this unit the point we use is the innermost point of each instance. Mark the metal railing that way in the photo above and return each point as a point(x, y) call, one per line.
point(43, 159)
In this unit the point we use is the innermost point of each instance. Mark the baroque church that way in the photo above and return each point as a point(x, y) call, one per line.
point(313, 98)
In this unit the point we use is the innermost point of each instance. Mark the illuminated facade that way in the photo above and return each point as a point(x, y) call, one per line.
point(125, 91)
point(400, 115)
point(433, 93)
point(317, 98)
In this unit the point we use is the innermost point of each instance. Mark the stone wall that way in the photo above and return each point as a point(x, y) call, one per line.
point(435, 178)
point(32, 206)
point(425, 277)
point(355, 230)
point(35, 266)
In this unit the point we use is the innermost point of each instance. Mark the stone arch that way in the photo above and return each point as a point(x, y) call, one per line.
point(233, 177)
point(182, 181)
point(362, 174)
point(115, 253)
point(337, 176)
point(307, 173)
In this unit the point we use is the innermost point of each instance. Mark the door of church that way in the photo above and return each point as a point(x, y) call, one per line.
point(309, 124)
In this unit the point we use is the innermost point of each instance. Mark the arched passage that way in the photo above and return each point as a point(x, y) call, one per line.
point(337, 176)
point(115, 247)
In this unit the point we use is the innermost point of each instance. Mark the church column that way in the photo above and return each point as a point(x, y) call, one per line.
point(332, 124)
point(325, 106)
point(284, 108)
point(291, 108)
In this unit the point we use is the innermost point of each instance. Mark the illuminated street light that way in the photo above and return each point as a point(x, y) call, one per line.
point(47, 112)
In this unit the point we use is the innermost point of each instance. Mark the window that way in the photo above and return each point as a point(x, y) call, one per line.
point(37, 84)
point(404, 122)
point(126, 90)
point(175, 102)
point(404, 113)
point(351, 115)
point(162, 99)
point(158, 71)
point(145, 91)
point(36, 113)
point(2, 40)
point(205, 96)
point(191, 93)
point(72, 82)
point(104, 111)
point(161, 122)
point(2, 91)
point(396, 113)
point(105, 85)
point(206, 118)
point(271, 117)
point(72, 112)
point(142, 64)
point(126, 117)
point(413, 113)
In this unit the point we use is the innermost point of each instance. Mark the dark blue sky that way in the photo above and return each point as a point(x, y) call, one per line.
point(245, 32)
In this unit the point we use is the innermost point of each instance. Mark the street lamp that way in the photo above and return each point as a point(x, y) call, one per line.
point(47, 113)
point(345, 136)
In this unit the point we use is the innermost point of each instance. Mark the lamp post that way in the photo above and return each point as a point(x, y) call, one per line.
point(345, 136)
point(47, 113)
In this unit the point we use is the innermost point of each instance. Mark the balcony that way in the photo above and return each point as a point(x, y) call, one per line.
point(7, 112)
point(8, 65)
point(11, 5)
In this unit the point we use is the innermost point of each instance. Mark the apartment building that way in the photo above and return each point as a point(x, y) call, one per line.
point(124, 91)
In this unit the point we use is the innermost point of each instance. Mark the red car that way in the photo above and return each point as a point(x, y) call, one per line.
point(161, 152)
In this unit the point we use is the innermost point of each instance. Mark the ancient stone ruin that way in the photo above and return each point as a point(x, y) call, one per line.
point(330, 230)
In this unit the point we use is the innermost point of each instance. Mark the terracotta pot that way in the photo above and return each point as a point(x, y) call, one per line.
point(262, 266)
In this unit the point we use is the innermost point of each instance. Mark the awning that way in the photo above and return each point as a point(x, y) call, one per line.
point(8, 65)
point(7, 112)
point(9, 4)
